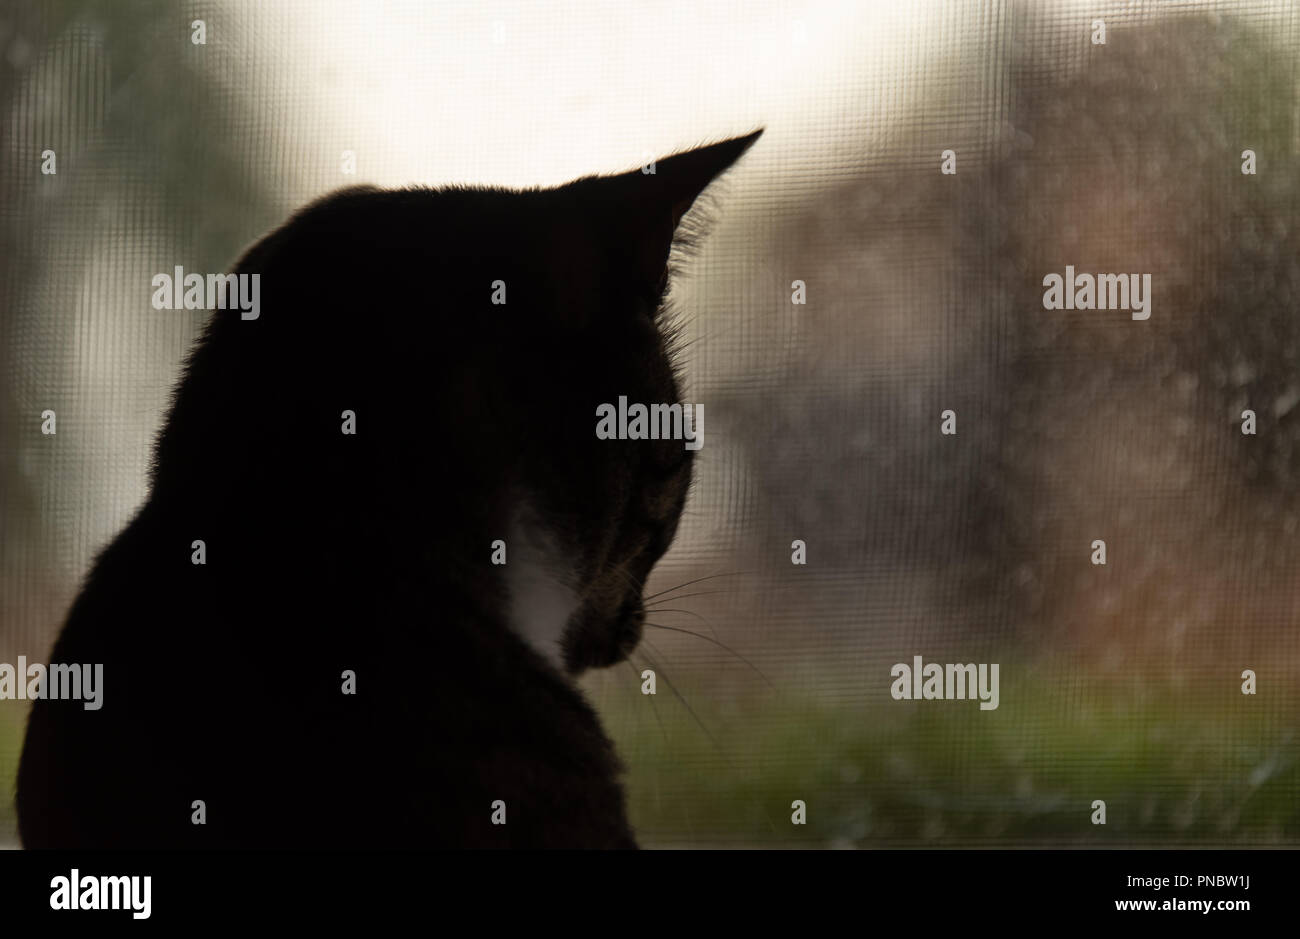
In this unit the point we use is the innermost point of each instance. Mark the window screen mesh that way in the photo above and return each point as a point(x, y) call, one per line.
point(924, 294)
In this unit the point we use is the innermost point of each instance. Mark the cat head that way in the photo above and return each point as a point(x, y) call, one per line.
point(474, 335)
point(594, 513)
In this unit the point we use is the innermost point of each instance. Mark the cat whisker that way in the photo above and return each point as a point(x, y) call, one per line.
point(695, 581)
point(678, 694)
point(660, 609)
point(683, 596)
point(664, 609)
point(654, 708)
point(725, 756)
point(720, 645)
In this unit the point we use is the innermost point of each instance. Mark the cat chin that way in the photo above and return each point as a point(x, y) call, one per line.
point(605, 647)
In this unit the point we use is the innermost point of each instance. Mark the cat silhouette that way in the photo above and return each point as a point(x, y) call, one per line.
point(382, 536)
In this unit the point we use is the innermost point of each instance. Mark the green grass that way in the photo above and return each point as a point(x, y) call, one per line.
point(1172, 770)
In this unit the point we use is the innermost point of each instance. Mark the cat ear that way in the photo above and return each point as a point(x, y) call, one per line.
point(645, 207)
point(683, 176)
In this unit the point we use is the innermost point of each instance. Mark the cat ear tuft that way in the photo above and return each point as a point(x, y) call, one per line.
point(686, 175)
point(646, 205)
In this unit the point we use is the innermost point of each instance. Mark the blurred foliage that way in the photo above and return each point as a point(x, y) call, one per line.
point(1173, 769)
